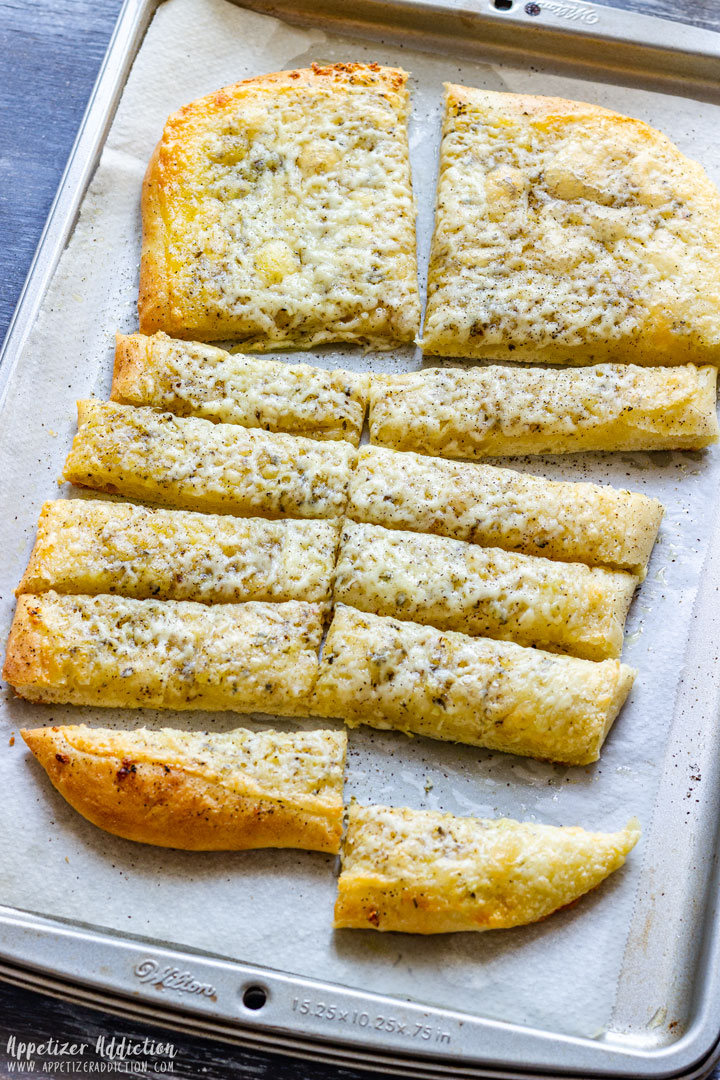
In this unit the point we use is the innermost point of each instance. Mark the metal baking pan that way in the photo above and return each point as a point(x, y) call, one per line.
point(672, 954)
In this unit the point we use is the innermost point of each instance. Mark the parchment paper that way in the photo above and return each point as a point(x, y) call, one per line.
point(275, 908)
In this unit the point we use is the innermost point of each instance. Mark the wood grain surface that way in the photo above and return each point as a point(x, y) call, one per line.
point(51, 51)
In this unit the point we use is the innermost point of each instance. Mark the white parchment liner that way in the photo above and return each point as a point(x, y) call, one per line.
point(275, 908)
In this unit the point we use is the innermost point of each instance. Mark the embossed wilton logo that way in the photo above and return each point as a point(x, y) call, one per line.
point(172, 978)
point(572, 12)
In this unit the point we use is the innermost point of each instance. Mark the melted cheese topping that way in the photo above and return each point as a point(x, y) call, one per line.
point(429, 872)
point(197, 465)
point(568, 233)
point(576, 522)
point(500, 695)
point(263, 763)
point(563, 607)
point(189, 379)
point(118, 652)
point(280, 212)
point(97, 547)
point(503, 411)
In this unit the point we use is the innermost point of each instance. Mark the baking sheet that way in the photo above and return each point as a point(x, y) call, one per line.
point(561, 975)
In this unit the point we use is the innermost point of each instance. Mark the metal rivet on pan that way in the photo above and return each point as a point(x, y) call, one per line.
point(532, 9)
point(254, 997)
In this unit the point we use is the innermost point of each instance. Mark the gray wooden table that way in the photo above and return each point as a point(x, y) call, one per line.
point(51, 51)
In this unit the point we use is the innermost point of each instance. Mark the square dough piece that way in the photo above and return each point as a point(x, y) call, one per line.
point(279, 213)
point(566, 233)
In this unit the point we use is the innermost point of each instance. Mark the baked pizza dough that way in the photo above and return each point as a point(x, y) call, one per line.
point(193, 464)
point(91, 547)
point(406, 677)
point(505, 411)
point(574, 522)
point(566, 233)
point(115, 652)
point(425, 872)
point(191, 379)
point(485, 592)
point(279, 212)
point(201, 791)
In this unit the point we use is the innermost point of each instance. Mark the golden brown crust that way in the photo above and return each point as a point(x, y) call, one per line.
point(24, 656)
point(154, 803)
point(154, 295)
point(131, 354)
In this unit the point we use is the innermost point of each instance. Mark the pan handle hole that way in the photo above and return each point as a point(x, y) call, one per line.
point(503, 5)
point(254, 997)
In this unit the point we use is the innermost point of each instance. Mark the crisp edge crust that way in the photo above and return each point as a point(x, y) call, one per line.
point(131, 356)
point(155, 308)
point(154, 311)
point(163, 806)
point(23, 667)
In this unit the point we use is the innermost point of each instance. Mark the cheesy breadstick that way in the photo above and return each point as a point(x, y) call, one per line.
point(190, 379)
point(110, 651)
point(563, 607)
point(90, 546)
point(573, 522)
point(500, 411)
point(399, 675)
point(201, 791)
point(194, 464)
point(425, 872)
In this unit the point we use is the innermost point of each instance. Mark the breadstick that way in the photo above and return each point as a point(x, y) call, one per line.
point(504, 412)
point(573, 522)
point(562, 607)
point(193, 464)
point(90, 547)
point(190, 379)
point(424, 872)
point(201, 791)
point(399, 675)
